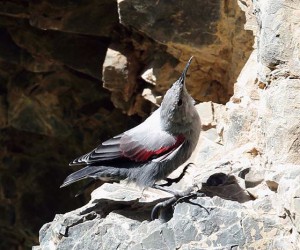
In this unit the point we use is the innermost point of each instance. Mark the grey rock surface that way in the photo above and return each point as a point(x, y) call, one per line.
point(221, 224)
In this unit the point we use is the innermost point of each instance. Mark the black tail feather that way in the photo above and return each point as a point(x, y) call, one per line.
point(83, 173)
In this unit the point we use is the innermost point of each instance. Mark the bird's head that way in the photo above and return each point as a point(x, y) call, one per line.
point(177, 108)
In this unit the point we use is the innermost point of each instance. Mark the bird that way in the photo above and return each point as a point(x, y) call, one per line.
point(150, 151)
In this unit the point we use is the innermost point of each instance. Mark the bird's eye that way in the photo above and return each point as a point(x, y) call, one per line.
point(179, 102)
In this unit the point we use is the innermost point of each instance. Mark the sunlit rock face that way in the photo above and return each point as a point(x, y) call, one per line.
point(165, 35)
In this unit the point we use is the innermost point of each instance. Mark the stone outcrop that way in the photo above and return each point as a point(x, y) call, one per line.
point(191, 227)
point(54, 57)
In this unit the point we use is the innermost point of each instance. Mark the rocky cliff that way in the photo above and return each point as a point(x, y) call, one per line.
point(52, 106)
point(246, 163)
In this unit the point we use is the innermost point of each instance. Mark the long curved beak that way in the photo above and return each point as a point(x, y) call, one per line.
point(183, 74)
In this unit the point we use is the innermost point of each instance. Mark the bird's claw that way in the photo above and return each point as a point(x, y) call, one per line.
point(164, 204)
point(173, 201)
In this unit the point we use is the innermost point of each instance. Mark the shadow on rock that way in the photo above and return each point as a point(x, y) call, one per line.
point(226, 187)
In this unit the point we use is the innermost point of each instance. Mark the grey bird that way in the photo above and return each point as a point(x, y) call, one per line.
point(150, 151)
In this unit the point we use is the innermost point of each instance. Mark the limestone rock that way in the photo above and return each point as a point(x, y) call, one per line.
point(192, 227)
point(268, 112)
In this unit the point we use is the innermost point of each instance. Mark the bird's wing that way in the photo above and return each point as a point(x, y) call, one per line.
point(140, 144)
point(108, 150)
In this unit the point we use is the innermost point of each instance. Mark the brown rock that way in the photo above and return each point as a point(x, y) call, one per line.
point(61, 48)
point(82, 17)
point(167, 25)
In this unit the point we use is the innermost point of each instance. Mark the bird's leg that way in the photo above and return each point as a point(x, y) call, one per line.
point(177, 197)
point(176, 180)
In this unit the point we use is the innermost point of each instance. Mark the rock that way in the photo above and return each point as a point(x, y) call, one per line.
point(52, 105)
point(281, 137)
point(209, 143)
point(254, 177)
point(192, 227)
point(206, 40)
point(60, 47)
point(167, 24)
point(118, 77)
point(54, 56)
point(263, 113)
point(3, 113)
point(150, 96)
point(206, 109)
point(84, 17)
point(260, 191)
point(149, 76)
point(116, 192)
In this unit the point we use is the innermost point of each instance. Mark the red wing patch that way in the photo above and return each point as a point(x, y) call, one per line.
point(144, 155)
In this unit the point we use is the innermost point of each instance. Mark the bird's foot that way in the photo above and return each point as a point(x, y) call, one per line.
point(162, 209)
